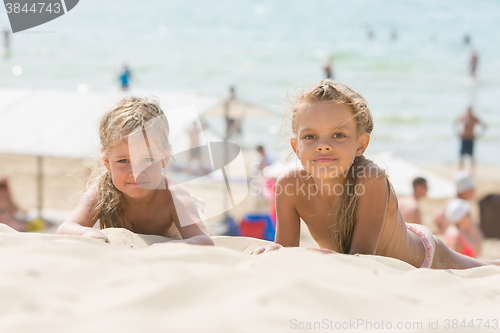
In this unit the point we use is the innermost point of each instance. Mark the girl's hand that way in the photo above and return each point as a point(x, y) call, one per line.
point(96, 234)
point(267, 248)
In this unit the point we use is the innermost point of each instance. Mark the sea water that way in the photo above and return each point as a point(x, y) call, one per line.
point(416, 84)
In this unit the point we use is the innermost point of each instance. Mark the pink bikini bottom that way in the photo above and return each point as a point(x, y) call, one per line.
point(427, 239)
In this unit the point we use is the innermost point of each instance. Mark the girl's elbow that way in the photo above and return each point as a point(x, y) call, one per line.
point(200, 240)
point(62, 229)
point(207, 240)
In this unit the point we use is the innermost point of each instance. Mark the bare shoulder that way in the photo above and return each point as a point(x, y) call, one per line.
point(89, 197)
point(177, 193)
point(372, 175)
point(178, 188)
point(84, 213)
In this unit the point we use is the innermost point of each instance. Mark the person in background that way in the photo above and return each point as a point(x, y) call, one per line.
point(465, 190)
point(8, 208)
point(473, 64)
point(467, 39)
point(195, 165)
point(124, 77)
point(328, 68)
point(266, 157)
point(233, 125)
point(393, 35)
point(409, 205)
point(466, 130)
point(6, 43)
point(462, 234)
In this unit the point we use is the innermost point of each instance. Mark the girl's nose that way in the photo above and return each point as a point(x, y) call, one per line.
point(324, 146)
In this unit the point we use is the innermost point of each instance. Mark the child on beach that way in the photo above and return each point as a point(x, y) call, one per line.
point(345, 199)
point(129, 189)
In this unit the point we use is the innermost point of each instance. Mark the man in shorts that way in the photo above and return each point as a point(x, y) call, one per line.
point(467, 124)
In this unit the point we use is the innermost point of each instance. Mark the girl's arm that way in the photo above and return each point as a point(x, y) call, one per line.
point(81, 221)
point(287, 218)
point(372, 207)
point(185, 212)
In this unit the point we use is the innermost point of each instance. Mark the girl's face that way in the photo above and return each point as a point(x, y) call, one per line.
point(327, 140)
point(135, 171)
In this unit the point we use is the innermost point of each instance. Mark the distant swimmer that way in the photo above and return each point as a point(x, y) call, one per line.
point(125, 77)
point(473, 64)
point(468, 123)
point(466, 39)
point(6, 43)
point(370, 34)
point(393, 35)
point(328, 68)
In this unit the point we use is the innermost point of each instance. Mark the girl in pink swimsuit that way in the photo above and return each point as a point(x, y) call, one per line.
point(346, 201)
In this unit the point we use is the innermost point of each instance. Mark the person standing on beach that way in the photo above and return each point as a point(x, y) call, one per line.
point(194, 132)
point(473, 64)
point(328, 68)
point(409, 205)
point(233, 125)
point(6, 43)
point(468, 123)
point(125, 77)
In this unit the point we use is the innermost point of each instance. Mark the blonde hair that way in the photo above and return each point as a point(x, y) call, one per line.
point(327, 91)
point(129, 116)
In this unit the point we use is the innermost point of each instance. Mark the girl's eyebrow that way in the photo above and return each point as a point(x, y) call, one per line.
point(307, 129)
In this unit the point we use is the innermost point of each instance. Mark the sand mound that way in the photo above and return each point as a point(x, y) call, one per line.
point(52, 283)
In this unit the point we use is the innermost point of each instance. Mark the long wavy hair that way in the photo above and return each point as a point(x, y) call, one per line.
point(127, 117)
point(327, 91)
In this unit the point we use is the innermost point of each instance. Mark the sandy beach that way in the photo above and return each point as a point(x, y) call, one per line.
point(54, 283)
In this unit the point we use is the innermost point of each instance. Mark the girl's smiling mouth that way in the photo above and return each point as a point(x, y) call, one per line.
point(137, 184)
point(324, 160)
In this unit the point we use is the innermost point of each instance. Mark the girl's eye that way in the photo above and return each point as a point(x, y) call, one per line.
point(309, 136)
point(149, 159)
point(123, 161)
point(338, 135)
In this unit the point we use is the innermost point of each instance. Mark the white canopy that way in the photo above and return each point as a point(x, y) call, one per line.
point(65, 123)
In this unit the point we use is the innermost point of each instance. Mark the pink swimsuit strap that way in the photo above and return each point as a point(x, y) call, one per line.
point(427, 239)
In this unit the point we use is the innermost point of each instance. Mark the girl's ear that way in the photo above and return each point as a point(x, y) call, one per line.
point(293, 142)
point(105, 159)
point(164, 162)
point(166, 159)
point(363, 141)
